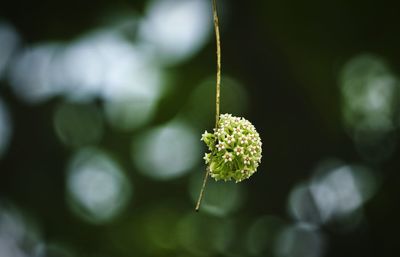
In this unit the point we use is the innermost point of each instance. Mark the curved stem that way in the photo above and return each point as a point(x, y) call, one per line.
point(217, 92)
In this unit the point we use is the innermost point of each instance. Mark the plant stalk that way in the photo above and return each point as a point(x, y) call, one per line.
point(218, 45)
point(217, 92)
point(202, 189)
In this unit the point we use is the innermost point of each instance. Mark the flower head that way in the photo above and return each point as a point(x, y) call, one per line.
point(235, 149)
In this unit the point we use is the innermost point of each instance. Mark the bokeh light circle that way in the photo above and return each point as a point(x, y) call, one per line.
point(97, 189)
point(340, 191)
point(9, 41)
point(30, 73)
point(300, 240)
point(176, 28)
point(368, 89)
point(19, 235)
point(369, 105)
point(302, 205)
point(166, 152)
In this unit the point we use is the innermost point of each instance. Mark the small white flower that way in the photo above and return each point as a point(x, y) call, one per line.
point(230, 139)
point(203, 136)
point(253, 149)
point(227, 157)
point(238, 150)
point(206, 158)
point(237, 130)
point(220, 132)
point(220, 146)
point(243, 140)
point(247, 160)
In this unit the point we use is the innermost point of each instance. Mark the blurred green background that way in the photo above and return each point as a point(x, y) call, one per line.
point(102, 104)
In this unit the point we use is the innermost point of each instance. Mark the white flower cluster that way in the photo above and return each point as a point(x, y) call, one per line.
point(235, 149)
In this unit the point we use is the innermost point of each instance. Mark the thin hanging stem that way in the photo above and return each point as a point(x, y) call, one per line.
point(218, 44)
point(217, 92)
point(202, 189)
